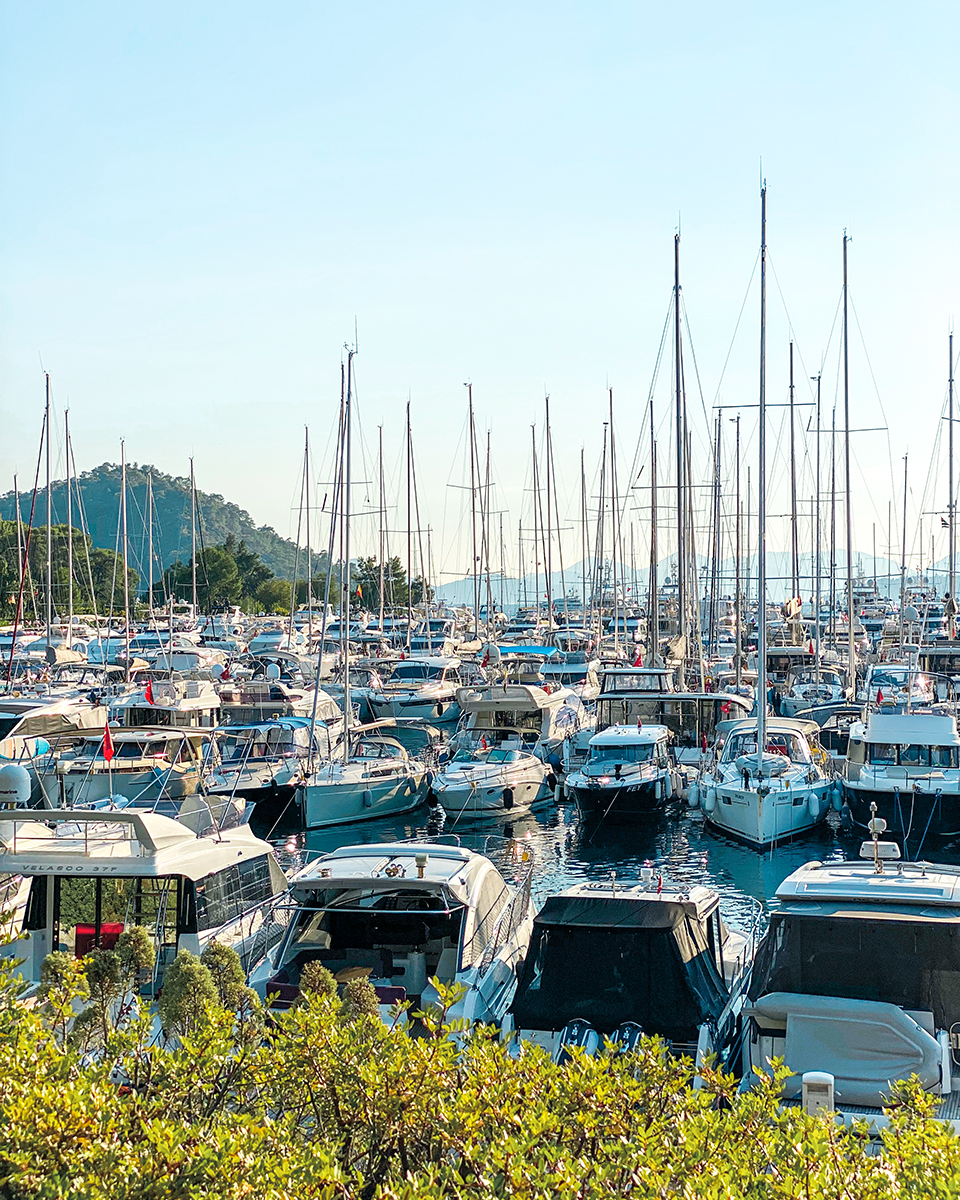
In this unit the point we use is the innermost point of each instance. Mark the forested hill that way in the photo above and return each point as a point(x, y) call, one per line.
point(99, 493)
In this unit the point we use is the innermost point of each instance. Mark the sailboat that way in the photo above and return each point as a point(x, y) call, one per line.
point(373, 775)
point(769, 783)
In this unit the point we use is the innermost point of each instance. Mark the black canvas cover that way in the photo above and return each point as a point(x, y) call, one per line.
point(608, 961)
point(913, 964)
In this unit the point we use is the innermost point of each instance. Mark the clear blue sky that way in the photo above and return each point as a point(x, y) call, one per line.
point(197, 200)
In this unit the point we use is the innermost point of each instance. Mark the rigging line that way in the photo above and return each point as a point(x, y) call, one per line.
point(693, 355)
point(876, 389)
point(793, 335)
point(746, 296)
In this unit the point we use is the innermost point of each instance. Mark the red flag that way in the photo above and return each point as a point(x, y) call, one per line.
point(483, 742)
point(638, 661)
point(107, 743)
point(811, 647)
point(879, 696)
point(725, 707)
point(226, 673)
point(659, 884)
point(148, 694)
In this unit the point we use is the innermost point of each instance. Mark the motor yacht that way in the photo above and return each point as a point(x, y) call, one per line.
point(401, 915)
point(908, 766)
point(424, 689)
point(521, 717)
point(95, 874)
point(661, 961)
point(855, 978)
point(496, 780)
point(628, 774)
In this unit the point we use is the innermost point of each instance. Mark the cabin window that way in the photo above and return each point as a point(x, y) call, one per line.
point(224, 896)
point(90, 912)
point(908, 755)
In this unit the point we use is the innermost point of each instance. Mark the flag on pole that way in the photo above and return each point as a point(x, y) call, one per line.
point(148, 694)
point(879, 696)
point(107, 743)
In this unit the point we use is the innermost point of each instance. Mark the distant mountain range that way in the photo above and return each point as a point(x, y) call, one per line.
point(99, 515)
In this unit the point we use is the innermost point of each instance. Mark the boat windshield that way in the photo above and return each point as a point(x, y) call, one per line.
point(415, 670)
point(502, 756)
point(784, 742)
point(905, 754)
point(623, 752)
point(913, 964)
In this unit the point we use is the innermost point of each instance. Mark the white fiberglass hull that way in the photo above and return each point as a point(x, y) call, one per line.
point(763, 818)
point(466, 792)
point(341, 795)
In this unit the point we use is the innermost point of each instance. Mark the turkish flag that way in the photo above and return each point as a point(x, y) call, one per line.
point(148, 694)
point(107, 743)
point(879, 696)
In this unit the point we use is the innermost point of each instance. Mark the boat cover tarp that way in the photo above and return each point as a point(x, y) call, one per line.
point(608, 960)
point(914, 964)
point(865, 1045)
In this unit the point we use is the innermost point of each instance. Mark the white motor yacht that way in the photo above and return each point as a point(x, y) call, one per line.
point(520, 716)
point(174, 702)
point(762, 798)
point(424, 689)
point(495, 780)
point(628, 774)
point(855, 978)
point(402, 914)
point(95, 874)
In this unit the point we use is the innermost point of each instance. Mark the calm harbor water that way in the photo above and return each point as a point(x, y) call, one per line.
point(677, 844)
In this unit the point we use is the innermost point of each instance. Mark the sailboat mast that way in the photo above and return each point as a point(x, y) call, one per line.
point(851, 641)
point(762, 495)
point(193, 541)
point(486, 544)
point(49, 605)
point(653, 614)
point(951, 502)
point(817, 581)
point(309, 570)
point(549, 548)
point(903, 557)
point(614, 530)
point(794, 537)
point(150, 541)
point(737, 603)
point(536, 523)
point(583, 534)
point(474, 568)
point(126, 575)
point(66, 445)
point(345, 628)
point(409, 532)
point(678, 373)
point(383, 518)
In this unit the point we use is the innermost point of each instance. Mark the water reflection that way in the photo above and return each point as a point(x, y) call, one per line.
point(676, 843)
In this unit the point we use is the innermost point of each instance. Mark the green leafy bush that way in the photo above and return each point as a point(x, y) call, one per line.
point(329, 1103)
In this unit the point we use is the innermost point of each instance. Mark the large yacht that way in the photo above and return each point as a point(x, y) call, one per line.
point(855, 977)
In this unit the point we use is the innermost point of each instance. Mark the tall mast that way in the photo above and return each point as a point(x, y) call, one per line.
point(193, 540)
point(951, 502)
point(49, 606)
point(66, 443)
point(549, 554)
point(715, 543)
point(816, 602)
point(126, 576)
point(614, 528)
point(382, 506)
point(536, 523)
point(762, 495)
point(794, 538)
point(345, 628)
point(583, 534)
point(150, 541)
point(16, 511)
point(486, 544)
point(473, 514)
point(681, 557)
point(309, 571)
point(851, 641)
point(598, 543)
point(833, 524)
point(903, 557)
point(653, 610)
point(736, 592)
point(409, 532)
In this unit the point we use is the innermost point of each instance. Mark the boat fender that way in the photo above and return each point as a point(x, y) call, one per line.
point(836, 797)
point(367, 798)
point(693, 794)
point(428, 780)
point(439, 710)
point(551, 781)
point(710, 800)
point(813, 804)
point(658, 789)
point(508, 797)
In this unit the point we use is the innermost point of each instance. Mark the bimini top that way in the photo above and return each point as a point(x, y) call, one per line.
point(606, 906)
point(827, 888)
point(394, 865)
point(117, 842)
point(633, 735)
point(917, 729)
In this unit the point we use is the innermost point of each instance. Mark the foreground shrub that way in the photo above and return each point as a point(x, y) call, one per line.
point(329, 1102)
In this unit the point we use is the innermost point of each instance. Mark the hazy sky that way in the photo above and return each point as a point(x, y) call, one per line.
point(198, 201)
